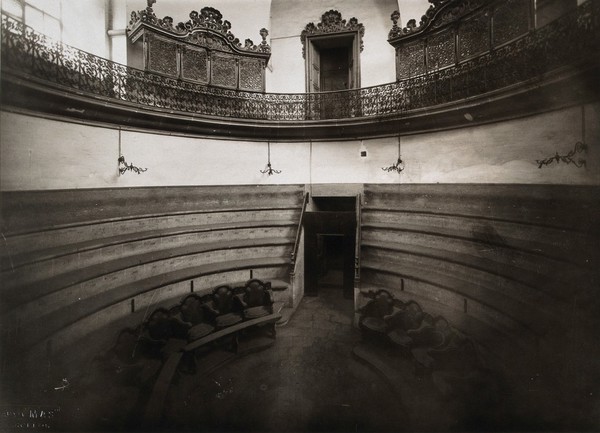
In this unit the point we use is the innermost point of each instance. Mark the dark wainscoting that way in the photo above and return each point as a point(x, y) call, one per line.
point(516, 267)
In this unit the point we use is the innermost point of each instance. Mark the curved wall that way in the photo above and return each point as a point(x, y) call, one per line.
point(509, 250)
point(51, 154)
point(515, 267)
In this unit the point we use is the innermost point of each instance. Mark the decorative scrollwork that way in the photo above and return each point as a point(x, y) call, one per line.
point(567, 159)
point(569, 40)
point(208, 19)
point(123, 166)
point(398, 166)
point(269, 170)
point(332, 22)
point(440, 13)
point(511, 20)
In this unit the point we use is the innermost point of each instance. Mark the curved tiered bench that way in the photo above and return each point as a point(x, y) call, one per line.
point(82, 263)
point(192, 337)
point(514, 267)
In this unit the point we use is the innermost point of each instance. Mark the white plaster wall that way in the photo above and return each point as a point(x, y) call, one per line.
point(48, 154)
point(290, 17)
point(85, 25)
point(118, 20)
point(506, 152)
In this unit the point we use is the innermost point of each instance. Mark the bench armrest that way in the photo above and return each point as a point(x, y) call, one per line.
point(240, 299)
point(209, 308)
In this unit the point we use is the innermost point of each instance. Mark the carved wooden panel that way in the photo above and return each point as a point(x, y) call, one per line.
point(441, 50)
point(511, 20)
point(194, 64)
point(410, 60)
point(224, 70)
point(251, 74)
point(209, 41)
point(202, 50)
point(474, 36)
point(162, 56)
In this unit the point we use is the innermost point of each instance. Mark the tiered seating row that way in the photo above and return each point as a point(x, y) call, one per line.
point(432, 342)
point(170, 339)
point(76, 262)
point(504, 263)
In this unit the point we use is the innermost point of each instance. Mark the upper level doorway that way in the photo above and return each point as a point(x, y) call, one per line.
point(331, 49)
point(332, 63)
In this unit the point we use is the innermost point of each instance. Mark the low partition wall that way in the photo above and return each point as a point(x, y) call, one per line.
point(78, 265)
point(513, 266)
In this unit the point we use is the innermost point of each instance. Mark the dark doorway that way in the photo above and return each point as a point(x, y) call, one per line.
point(329, 249)
point(335, 65)
point(332, 63)
point(331, 261)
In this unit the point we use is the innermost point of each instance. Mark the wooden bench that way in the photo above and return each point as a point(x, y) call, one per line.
point(50, 324)
point(431, 342)
point(155, 405)
point(225, 302)
point(74, 262)
point(231, 330)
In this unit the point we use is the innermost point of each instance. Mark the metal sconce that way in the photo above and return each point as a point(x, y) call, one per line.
point(580, 147)
point(268, 169)
point(123, 166)
point(399, 164)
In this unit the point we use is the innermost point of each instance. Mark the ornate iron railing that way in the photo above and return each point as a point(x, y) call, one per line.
point(570, 40)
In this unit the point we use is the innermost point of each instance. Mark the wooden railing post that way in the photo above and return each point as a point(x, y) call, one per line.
point(297, 241)
point(294, 254)
point(357, 244)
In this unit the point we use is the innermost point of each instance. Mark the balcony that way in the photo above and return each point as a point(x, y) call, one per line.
point(547, 68)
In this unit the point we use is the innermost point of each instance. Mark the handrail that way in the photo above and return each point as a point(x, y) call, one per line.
point(297, 241)
point(358, 239)
point(573, 39)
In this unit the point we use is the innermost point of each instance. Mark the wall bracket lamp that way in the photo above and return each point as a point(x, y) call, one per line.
point(269, 170)
point(580, 147)
point(123, 166)
point(398, 166)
